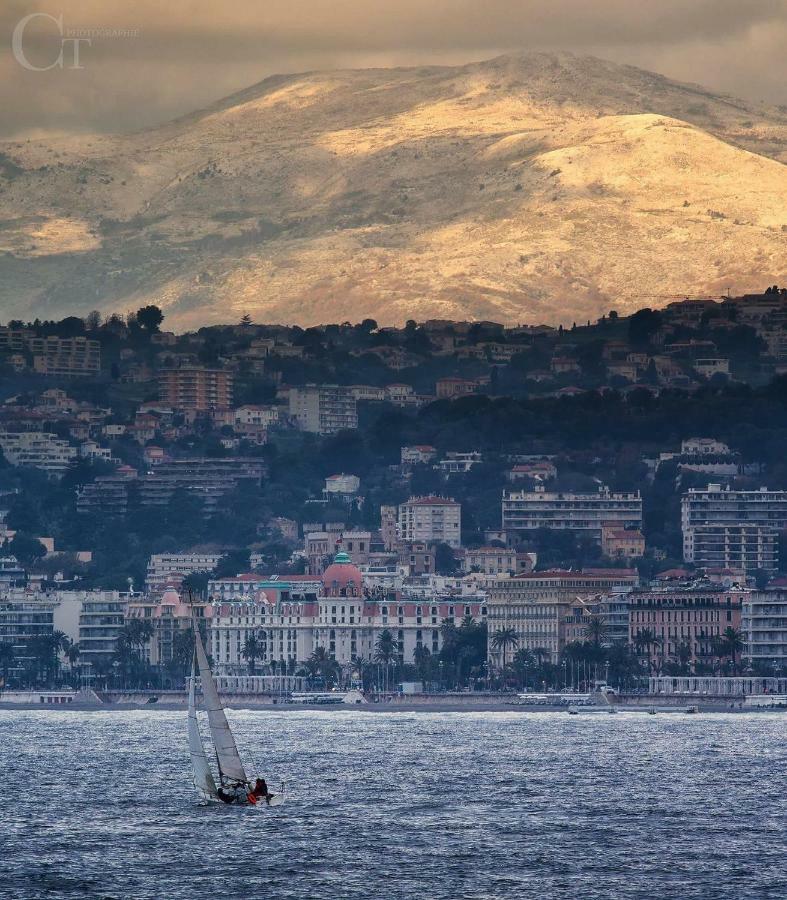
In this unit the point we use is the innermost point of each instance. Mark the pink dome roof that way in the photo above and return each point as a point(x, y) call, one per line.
point(342, 577)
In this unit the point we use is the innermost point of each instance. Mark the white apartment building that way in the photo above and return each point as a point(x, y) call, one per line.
point(324, 408)
point(764, 625)
point(575, 511)
point(431, 519)
point(342, 484)
point(456, 462)
point(726, 528)
point(101, 620)
point(417, 454)
point(38, 449)
point(264, 416)
point(165, 567)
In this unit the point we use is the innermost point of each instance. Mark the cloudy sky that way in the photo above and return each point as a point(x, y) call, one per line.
point(150, 60)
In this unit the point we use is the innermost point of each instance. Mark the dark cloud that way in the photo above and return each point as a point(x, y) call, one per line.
point(182, 55)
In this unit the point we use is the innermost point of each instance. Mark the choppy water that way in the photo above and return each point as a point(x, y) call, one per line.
point(390, 805)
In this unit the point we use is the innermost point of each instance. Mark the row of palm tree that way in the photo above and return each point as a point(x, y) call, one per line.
point(460, 661)
point(595, 652)
point(726, 650)
point(39, 662)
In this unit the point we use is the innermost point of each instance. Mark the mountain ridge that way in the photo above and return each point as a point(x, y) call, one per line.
point(527, 187)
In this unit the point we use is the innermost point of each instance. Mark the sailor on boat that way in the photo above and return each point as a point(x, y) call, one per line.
point(241, 793)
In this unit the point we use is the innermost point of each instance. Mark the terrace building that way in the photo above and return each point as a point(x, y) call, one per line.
point(587, 512)
point(38, 449)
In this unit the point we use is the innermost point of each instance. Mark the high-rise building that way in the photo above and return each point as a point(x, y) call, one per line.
point(195, 388)
point(724, 528)
point(100, 624)
point(323, 408)
point(431, 520)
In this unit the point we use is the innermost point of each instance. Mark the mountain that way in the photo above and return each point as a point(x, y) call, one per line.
point(537, 187)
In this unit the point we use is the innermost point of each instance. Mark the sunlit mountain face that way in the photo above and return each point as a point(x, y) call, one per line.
point(533, 187)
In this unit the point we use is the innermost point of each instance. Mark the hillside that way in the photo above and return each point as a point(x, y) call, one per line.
point(539, 187)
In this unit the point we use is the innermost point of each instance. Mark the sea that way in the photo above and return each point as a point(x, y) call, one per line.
point(450, 805)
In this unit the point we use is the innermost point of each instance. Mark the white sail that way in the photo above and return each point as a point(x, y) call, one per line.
point(203, 777)
point(230, 764)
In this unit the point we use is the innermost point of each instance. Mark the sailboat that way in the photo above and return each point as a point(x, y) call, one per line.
point(232, 776)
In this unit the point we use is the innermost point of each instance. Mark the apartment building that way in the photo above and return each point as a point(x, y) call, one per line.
point(324, 408)
point(764, 625)
point(195, 388)
point(725, 528)
point(537, 605)
point(587, 512)
point(38, 449)
point(431, 519)
point(76, 357)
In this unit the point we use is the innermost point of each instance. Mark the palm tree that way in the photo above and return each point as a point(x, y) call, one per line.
point(730, 643)
point(386, 647)
point(385, 650)
point(72, 655)
point(523, 661)
point(541, 653)
point(503, 639)
point(60, 642)
point(596, 630)
point(6, 659)
point(422, 659)
point(251, 652)
point(646, 639)
point(684, 654)
point(321, 663)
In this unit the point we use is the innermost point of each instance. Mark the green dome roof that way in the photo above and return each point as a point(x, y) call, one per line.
point(342, 557)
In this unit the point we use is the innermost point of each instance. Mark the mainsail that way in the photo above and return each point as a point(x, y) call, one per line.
point(203, 777)
point(230, 765)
